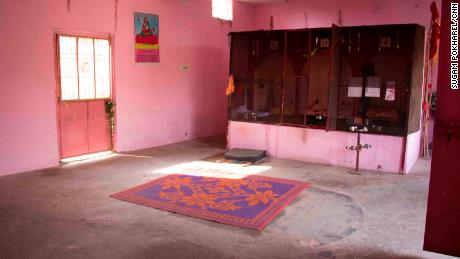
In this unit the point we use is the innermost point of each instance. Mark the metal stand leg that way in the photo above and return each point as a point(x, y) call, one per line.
point(358, 146)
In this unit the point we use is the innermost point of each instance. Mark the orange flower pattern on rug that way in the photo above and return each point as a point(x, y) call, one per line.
point(218, 193)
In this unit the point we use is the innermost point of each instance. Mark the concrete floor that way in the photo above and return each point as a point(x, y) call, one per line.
point(66, 212)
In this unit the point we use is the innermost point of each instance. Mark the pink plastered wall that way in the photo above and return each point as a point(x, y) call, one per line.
point(300, 14)
point(156, 104)
point(318, 146)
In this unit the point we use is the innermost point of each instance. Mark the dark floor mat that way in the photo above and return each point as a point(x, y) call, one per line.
point(250, 155)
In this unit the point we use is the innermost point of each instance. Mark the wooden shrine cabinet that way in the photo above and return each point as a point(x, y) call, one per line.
point(257, 66)
point(381, 78)
point(330, 78)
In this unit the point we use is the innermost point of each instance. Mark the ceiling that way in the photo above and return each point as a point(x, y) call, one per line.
point(261, 1)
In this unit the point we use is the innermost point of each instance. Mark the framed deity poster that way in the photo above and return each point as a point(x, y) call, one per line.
point(147, 35)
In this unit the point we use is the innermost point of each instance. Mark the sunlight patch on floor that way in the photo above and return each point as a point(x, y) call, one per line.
point(211, 169)
point(77, 160)
point(137, 156)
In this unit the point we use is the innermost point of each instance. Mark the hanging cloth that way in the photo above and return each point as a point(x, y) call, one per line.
point(435, 32)
point(231, 86)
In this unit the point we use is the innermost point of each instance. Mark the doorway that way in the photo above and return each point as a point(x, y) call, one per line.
point(84, 94)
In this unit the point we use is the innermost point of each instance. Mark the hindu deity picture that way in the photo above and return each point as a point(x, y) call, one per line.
point(146, 29)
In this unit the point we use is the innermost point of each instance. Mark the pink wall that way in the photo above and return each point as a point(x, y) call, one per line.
point(291, 15)
point(317, 146)
point(156, 104)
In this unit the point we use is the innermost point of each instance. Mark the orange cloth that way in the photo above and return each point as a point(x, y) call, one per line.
point(231, 86)
point(435, 32)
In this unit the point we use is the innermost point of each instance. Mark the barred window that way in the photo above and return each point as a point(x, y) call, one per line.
point(84, 66)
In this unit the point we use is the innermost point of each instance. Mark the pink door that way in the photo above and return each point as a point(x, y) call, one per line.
point(84, 86)
point(442, 230)
point(84, 128)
